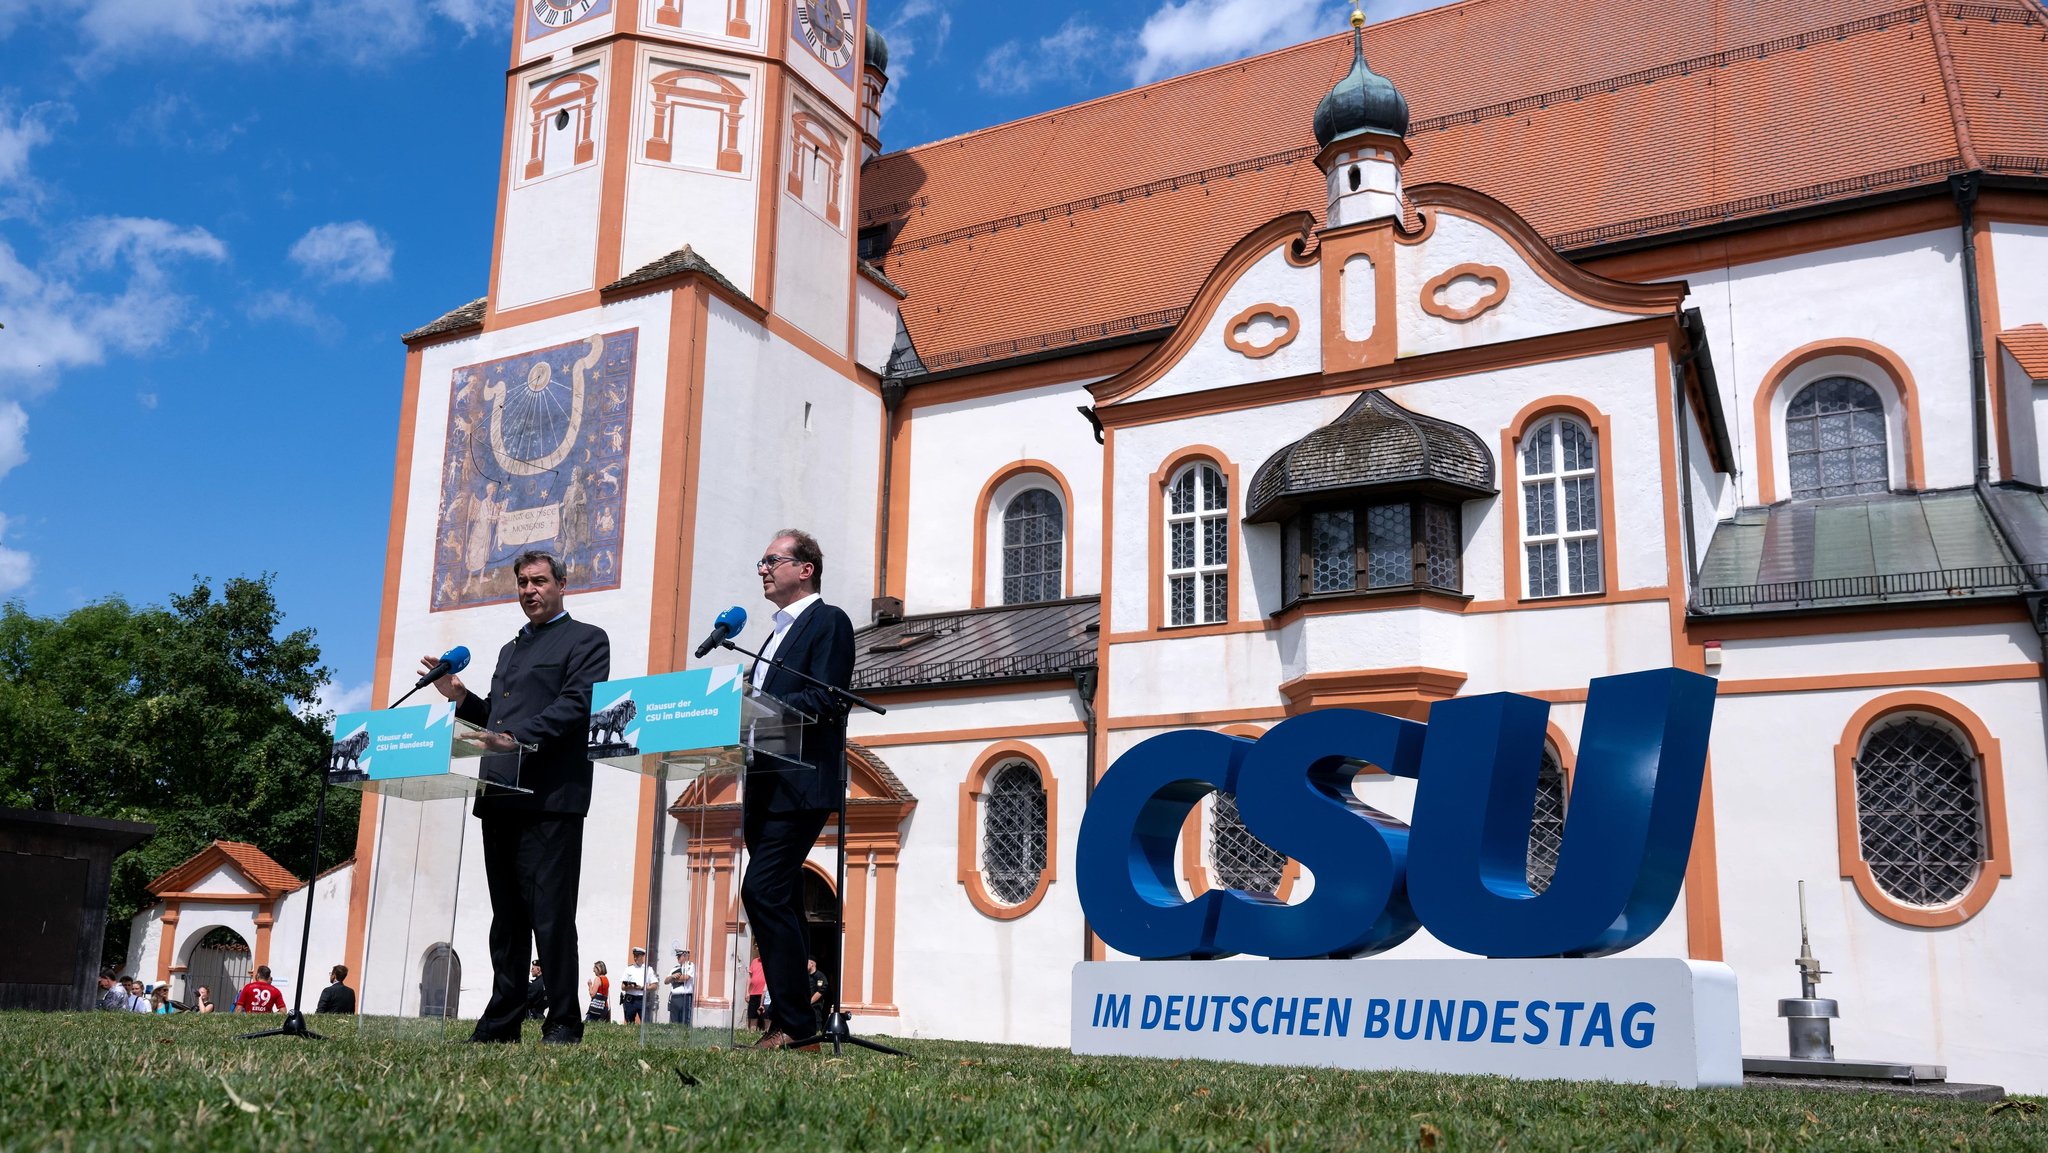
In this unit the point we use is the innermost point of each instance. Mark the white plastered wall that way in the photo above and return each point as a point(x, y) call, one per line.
point(956, 449)
point(875, 312)
point(1210, 362)
point(702, 23)
point(1877, 291)
point(690, 200)
point(549, 247)
point(1945, 996)
point(1533, 305)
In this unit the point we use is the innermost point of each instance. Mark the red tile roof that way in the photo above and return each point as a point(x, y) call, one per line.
point(1598, 124)
point(2029, 345)
point(274, 879)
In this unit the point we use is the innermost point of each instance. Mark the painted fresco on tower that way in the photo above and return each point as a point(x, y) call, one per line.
point(536, 457)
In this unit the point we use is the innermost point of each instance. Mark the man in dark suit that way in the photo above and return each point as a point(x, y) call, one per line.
point(533, 841)
point(337, 997)
point(788, 799)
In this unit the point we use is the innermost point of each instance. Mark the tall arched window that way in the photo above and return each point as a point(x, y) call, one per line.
point(1546, 823)
point(1013, 833)
point(441, 982)
point(1034, 537)
point(1238, 860)
point(1919, 811)
point(1835, 439)
point(1198, 546)
point(1560, 509)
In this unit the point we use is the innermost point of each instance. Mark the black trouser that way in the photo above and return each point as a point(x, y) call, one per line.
point(772, 892)
point(533, 864)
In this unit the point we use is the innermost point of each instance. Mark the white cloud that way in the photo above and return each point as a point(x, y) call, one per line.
point(104, 290)
point(1196, 33)
point(1067, 55)
point(338, 698)
point(22, 131)
point(364, 31)
point(146, 399)
point(920, 28)
point(16, 567)
point(291, 308)
point(346, 252)
point(13, 439)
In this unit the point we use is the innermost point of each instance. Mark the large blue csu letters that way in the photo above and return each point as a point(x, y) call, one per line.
point(1461, 871)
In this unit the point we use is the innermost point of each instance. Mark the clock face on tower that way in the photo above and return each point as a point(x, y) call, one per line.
point(552, 14)
point(827, 29)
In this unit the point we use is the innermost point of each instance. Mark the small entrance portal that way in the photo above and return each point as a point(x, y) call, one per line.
point(220, 961)
point(821, 924)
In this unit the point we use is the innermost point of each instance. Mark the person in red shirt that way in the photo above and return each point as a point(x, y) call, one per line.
point(260, 996)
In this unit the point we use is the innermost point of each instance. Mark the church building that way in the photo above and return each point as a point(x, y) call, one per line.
point(1498, 347)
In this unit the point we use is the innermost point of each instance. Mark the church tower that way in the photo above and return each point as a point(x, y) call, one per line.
point(637, 127)
point(1360, 127)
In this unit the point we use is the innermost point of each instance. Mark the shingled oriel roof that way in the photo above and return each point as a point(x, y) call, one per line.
point(1601, 125)
point(1375, 444)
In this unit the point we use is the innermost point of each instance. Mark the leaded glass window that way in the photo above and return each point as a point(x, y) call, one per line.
point(1013, 833)
point(1198, 546)
point(1835, 439)
point(1400, 544)
point(1546, 823)
point(1238, 860)
point(1919, 812)
point(1034, 537)
point(1560, 509)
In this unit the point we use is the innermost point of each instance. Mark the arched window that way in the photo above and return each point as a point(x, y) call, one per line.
point(1560, 509)
point(1013, 833)
point(440, 982)
point(1919, 811)
point(1835, 439)
point(1034, 537)
point(1546, 823)
point(1238, 860)
point(1198, 546)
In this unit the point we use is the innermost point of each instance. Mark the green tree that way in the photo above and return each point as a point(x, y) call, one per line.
point(190, 717)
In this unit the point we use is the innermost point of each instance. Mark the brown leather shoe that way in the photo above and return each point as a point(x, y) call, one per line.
point(777, 1039)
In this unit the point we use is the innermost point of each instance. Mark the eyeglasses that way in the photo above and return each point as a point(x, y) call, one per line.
point(768, 563)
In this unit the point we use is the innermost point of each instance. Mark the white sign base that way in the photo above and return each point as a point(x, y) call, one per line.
point(1650, 1020)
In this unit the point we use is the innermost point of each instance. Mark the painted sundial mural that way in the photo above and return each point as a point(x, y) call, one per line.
point(536, 458)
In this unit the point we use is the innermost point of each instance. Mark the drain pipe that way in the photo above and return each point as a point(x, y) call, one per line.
point(893, 389)
point(1085, 679)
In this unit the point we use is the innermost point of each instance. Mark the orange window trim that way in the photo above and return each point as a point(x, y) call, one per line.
point(1155, 596)
point(982, 505)
point(1511, 502)
point(1884, 359)
point(1991, 779)
point(972, 790)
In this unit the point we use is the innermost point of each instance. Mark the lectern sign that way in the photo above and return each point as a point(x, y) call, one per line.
point(694, 709)
point(388, 744)
point(1458, 871)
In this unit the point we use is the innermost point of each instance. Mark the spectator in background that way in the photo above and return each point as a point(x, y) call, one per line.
point(536, 994)
point(204, 1001)
point(136, 1001)
point(682, 988)
point(260, 996)
point(337, 997)
point(600, 988)
point(160, 1000)
point(113, 996)
point(821, 988)
point(634, 985)
point(757, 988)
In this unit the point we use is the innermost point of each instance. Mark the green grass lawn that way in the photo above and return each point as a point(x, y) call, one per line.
point(129, 1083)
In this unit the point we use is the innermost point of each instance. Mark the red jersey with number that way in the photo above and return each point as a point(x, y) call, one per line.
point(260, 997)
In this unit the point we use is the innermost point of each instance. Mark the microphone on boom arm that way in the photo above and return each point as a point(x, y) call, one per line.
point(453, 661)
point(727, 626)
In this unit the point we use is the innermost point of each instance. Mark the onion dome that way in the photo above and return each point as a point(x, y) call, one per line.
point(878, 53)
point(1375, 445)
point(1364, 101)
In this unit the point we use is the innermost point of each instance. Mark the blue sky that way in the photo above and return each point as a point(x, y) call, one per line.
point(216, 216)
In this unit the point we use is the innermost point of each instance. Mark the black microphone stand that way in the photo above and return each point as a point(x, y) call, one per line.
point(295, 1021)
point(839, 1029)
